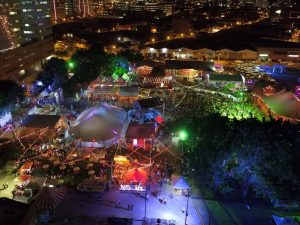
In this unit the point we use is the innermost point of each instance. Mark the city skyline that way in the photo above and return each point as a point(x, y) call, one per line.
point(149, 112)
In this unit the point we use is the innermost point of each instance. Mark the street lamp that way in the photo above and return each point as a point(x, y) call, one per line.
point(183, 135)
point(71, 65)
point(149, 179)
point(187, 207)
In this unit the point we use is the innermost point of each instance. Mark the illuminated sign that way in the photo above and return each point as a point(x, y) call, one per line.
point(264, 55)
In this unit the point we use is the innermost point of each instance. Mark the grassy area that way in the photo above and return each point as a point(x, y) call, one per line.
point(218, 213)
point(198, 189)
point(287, 213)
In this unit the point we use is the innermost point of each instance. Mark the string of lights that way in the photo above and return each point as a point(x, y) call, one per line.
point(5, 26)
point(20, 138)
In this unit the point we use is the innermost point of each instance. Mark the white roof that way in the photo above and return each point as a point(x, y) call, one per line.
point(100, 123)
point(181, 184)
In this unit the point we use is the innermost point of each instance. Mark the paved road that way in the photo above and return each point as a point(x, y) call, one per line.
point(89, 205)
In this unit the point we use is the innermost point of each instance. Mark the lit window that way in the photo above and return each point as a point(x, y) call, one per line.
point(164, 50)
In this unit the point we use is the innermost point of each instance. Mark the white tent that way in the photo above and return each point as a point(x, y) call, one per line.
point(180, 186)
point(284, 220)
point(99, 126)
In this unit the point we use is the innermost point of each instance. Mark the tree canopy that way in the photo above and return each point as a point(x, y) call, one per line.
point(54, 74)
point(10, 94)
point(236, 154)
point(88, 64)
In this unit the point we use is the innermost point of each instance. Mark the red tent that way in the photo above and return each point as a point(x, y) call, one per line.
point(27, 166)
point(22, 179)
point(137, 175)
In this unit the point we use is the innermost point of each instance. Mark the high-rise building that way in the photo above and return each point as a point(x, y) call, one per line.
point(25, 37)
point(97, 7)
point(36, 21)
point(57, 9)
point(10, 25)
point(70, 8)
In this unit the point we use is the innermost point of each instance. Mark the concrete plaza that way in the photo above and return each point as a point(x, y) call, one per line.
point(88, 207)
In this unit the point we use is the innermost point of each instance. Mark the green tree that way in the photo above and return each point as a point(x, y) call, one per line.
point(131, 56)
point(157, 71)
point(55, 74)
point(10, 94)
point(88, 64)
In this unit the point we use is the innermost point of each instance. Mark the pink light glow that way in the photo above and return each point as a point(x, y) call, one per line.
point(135, 142)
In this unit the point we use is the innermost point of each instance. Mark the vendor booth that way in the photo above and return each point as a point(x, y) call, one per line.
point(135, 180)
point(180, 186)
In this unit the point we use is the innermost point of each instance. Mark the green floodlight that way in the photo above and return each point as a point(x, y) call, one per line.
point(71, 65)
point(183, 135)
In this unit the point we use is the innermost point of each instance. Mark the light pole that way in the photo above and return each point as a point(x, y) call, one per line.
point(183, 136)
point(149, 178)
point(187, 207)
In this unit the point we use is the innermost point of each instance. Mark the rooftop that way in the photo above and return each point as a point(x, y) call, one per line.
point(140, 131)
point(40, 121)
point(11, 211)
point(180, 64)
point(225, 39)
point(129, 91)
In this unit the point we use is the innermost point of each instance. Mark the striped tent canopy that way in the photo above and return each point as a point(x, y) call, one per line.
point(49, 197)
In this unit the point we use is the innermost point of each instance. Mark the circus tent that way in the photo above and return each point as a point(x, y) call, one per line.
point(99, 126)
